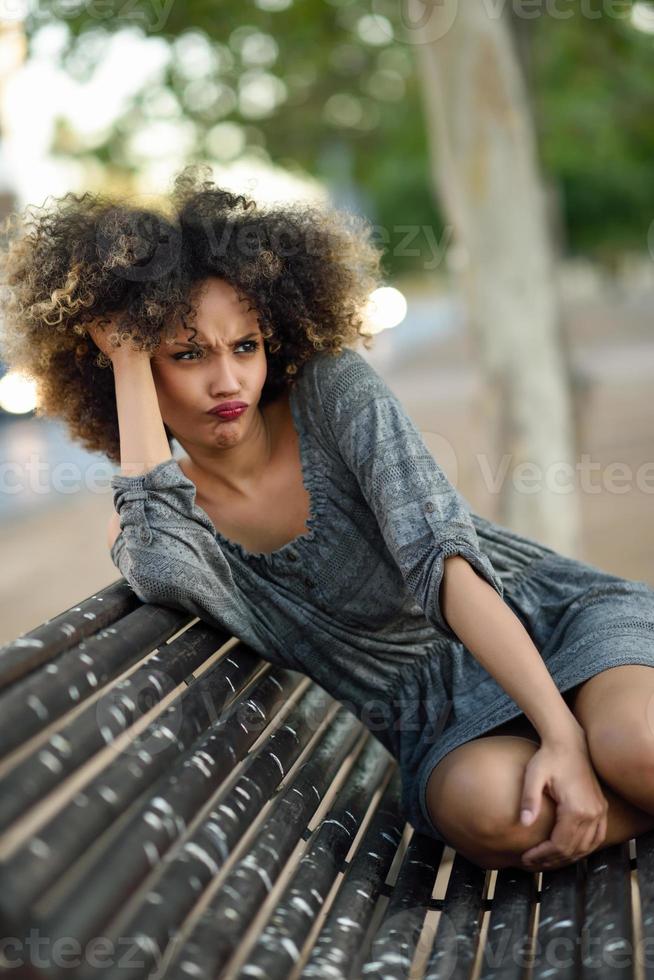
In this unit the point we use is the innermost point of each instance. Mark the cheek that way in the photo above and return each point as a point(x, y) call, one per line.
point(263, 370)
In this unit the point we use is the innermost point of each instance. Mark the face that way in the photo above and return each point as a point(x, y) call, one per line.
point(230, 366)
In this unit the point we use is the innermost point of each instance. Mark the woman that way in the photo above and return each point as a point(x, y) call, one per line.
point(314, 524)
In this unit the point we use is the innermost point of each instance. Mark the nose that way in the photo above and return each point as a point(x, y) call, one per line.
point(224, 376)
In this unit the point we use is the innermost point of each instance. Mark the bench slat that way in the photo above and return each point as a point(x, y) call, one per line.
point(395, 942)
point(506, 953)
point(103, 721)
point(104, 801)
point(606, 936)
point(645, 864)
point(456, 938)
point(349, 916)
point(40, 645)
point(50, 692)
point(298, 907)
point(220, 929)
point(161, 825)
point(559, 924)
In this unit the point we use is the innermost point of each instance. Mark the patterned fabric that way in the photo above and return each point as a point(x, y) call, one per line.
point(354, 601)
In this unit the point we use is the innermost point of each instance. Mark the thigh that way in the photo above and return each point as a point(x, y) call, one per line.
point(616, 710)
point(627, 689)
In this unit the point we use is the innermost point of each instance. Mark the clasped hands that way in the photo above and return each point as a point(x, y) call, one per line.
point(565, 772)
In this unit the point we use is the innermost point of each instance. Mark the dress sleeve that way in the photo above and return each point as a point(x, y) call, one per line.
point(421, 515)
point(168, 552)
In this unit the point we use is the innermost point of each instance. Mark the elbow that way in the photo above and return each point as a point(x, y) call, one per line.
point(113, 530)
point(158, 582)
point(143, 584)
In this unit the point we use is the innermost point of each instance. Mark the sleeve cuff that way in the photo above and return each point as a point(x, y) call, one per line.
point(165, 474)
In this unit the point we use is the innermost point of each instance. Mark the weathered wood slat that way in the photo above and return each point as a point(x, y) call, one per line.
point(606, 936)
point(103, 721)
point(48, 693)
point(39, 863)
point(505, 953)
point(645, 864)
point(338, 942)
point(557, 945)
point(174, 887)
point(395, 941)
point(457, 935)
point(215, 937)
point(41, 645)
point(287, 929)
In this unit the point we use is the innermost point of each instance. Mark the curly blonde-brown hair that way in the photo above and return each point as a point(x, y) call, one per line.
point(90, 259)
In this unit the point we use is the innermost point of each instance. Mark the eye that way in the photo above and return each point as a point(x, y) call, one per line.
point(196, 354)
point(182, 354)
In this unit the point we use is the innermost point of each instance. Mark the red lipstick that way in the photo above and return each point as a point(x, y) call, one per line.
point(228, 410)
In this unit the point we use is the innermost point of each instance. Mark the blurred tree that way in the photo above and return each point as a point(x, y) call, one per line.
point(486, 174)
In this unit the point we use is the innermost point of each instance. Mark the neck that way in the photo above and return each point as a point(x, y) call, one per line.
point(238, 468)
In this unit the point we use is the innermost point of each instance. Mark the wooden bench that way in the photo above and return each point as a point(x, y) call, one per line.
point(171, 805)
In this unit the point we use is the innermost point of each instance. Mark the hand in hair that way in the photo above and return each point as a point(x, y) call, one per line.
point(112, 344)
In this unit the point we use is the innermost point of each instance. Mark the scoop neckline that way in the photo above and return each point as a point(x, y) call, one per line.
point(310, 483)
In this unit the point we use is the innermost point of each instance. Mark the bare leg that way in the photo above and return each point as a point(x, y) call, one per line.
point(616, 710)
point(624, 821)
point(474, 794)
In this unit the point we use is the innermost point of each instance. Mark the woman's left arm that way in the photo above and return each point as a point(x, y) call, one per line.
point(494, 635)
point(427, 526)
point(499, 642)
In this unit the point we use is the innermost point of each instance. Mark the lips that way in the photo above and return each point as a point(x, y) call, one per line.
point(228, 409)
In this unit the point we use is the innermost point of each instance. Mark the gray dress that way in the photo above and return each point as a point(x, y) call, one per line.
point(354, 601)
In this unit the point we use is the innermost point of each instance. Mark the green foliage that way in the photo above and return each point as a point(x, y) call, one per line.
point(352, 113)
point(593, 94)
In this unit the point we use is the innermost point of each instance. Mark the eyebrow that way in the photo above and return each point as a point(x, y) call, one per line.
point(199, 343)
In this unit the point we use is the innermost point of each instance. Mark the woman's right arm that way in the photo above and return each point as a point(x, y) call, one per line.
point(166, 547)
point(143, 441)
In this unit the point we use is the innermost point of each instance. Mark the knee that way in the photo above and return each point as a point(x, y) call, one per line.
point(502, 839)
point(477, 806)
point(622, 752)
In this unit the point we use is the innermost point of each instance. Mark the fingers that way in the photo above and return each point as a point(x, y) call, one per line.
point(588, 841)
point(551, 854)
point(532, 795)
point(568, 842)
point(600, 835)
point(563, 837)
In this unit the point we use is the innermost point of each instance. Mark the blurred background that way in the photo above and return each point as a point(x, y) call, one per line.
point(503, 152)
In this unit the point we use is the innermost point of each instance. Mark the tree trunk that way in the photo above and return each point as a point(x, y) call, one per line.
point(486, 178)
